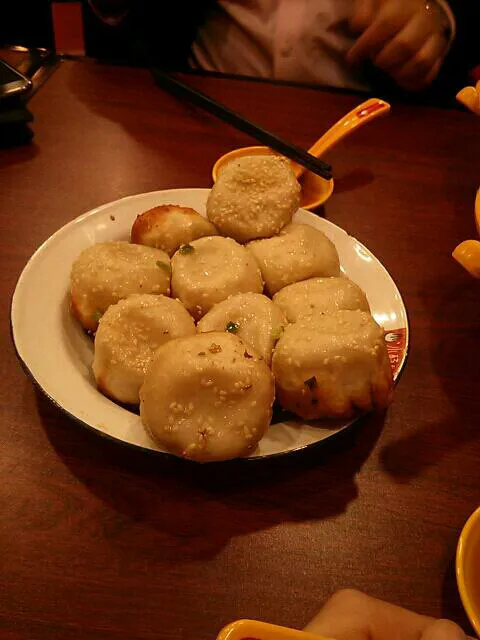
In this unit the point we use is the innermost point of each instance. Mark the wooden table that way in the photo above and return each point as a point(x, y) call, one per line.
point(98, 541)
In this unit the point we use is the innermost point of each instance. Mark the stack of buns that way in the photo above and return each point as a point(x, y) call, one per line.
point(206, 322)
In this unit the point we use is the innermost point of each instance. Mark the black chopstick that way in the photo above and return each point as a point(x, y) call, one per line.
point(292, 151)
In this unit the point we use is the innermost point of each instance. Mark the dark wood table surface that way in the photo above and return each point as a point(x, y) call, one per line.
point(99, 541)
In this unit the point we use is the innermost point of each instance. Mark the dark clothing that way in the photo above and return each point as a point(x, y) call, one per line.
point(158, 31)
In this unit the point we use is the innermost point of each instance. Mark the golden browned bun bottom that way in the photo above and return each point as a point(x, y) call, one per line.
point(168, 226)
point(333, 366)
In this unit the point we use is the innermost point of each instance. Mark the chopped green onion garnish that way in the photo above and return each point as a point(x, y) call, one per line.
point(232, 327)
point(97, 316)
point(186, 248)
point(165, 266)
point(277, 333)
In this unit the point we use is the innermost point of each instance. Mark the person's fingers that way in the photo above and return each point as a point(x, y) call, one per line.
point(425, 81)
point(443, 630)
point(351, 615)
point(388, 21)
point(405, 44)
point(421, 82)
point(362, 16)
point(340, 617)
point(422, 69)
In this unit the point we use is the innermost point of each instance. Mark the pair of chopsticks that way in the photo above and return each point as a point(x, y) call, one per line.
point(292, 151)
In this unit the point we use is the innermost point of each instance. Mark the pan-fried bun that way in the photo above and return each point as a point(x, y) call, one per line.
point(106, 272)
point(208, 270)
point(207, 397)
point(252, 317)
point(332, 366)
point(127, 337)
point(320, 295)
point(168, 226)
point(298, 253)
point(254, 197)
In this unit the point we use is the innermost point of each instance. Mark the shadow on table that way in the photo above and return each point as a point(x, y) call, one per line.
point(149, 128)
point(354, 179)
point(199, 508)
point(18, 154)
point(455, 310)
point(157, 120)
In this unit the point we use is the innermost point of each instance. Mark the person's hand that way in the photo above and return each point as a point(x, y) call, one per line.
point(352, 615)
point(406, 38)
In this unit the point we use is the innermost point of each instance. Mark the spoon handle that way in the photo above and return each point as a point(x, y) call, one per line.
point(470, 98)
point(365, 112)
point(467, 253)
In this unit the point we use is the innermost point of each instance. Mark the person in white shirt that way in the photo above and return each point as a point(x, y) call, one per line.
point(327, 42)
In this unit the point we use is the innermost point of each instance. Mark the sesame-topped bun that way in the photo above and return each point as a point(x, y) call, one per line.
point(252, 317)
point(320, 295)
point(105, 273)
point(208, 270)
point(127, 337)
point(168, 226)
point(298, 253)
point(332, 366)
point(254, 197)
point(207, 397)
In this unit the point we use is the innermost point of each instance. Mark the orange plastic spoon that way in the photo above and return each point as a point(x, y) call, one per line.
point(316, 190)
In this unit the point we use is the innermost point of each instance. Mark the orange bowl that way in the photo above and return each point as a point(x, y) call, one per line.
point(468, 569)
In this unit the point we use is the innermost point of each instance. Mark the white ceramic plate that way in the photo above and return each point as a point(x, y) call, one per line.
point(57, 353)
